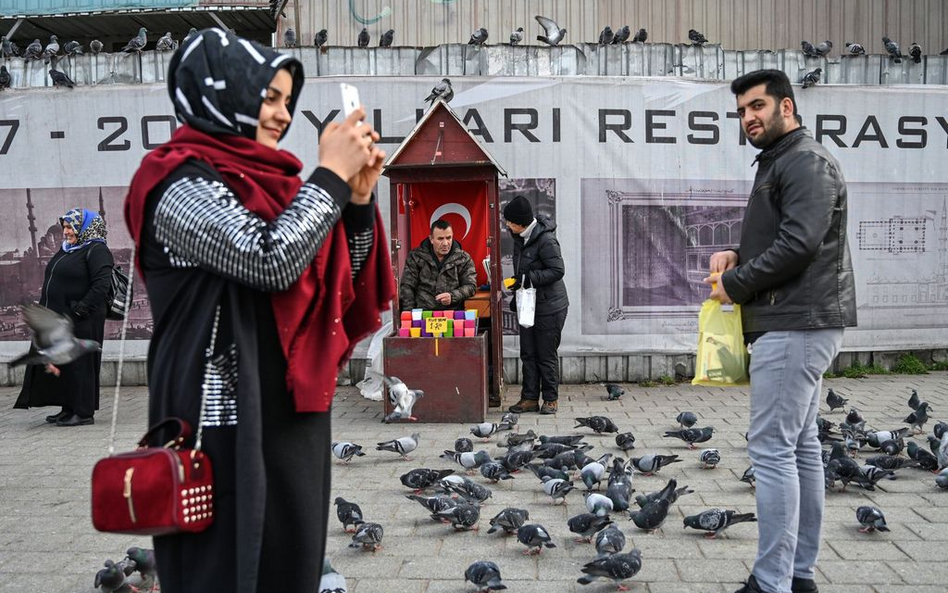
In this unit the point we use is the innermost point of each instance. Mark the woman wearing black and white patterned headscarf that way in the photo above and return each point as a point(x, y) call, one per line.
point(230, 237)
point(76, 284)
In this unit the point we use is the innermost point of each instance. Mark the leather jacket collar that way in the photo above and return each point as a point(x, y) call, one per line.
point(780, 145)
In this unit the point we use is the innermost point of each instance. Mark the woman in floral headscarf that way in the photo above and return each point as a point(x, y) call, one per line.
point(76, 284)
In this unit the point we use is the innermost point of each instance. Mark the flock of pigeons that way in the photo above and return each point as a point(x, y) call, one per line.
point(562, 465)
point(821, 50)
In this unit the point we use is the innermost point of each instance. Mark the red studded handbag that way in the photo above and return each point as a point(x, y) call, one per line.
point(154, 490)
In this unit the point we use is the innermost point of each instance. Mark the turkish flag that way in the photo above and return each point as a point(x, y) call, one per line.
point(464, 205)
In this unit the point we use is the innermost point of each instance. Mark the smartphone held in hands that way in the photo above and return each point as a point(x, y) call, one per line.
point(350, 98)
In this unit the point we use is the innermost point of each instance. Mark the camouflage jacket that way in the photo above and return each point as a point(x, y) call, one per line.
point(422, 279)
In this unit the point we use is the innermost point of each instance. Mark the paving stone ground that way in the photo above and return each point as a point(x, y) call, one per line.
point(47, 542)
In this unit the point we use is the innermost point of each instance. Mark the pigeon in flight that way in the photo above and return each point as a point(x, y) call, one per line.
point(443, 90)
point(617, 568)
point(345, 451)
point(400, 397)
point(893, 49)
point(387, 38)
point(553, 34)
point(606, 36)
point(321, 38)
point(53, 339)
point(871, 519)
point(715, 521)
point(348, 513)
point(696, 38)
point(478, 37)
point(640, 36)
point(622, 35)
point(835, 401)
point(535, 537)
point(138, 42)
point(484, 574)
point(855, 49)
point(598, 424)
point(811, 78)
point(166, 43)
point(516, 36)
point(403, 446)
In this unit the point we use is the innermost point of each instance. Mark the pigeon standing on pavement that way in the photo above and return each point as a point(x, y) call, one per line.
point(614, 392)
point(715, 521)
point(598, 504)
point(478, 37)
point(289, 37)
point(348, 513)
point(535, 537)
point(823, 49)
point(321, 38)
point(696, 38)
point(893, 49)
point(509, 519)
point(367, 535)
point(585, 525)
point(871, 519)
point(112, 578)
point(749, 477)
point(942, 453)
point(423, 477)
point(468, 460)
point(919, 417)
point(941, 480)
point(145, 564)
point(434, 504)
point(616, 568)
point(464, 515)
point(443, 90)
point(484, 574)
point(331, 581)
point(138, 42)
point(553, 35)
point(625, 441)
point(592, 473)
point(686, 419)
point(463, 445)
point(671, 492)
point(811, 78)
point(53, 339)
point(4, 78)
point(650, 464)
point(855, 49)
point(609, 541)
point(691, 435)
point(599, 424)
point(556, 488)
point(403, 446)
point(345, 450)
point(387, 38)
point(651, 516)
point(835, 401)
point(484, 430)
point(516, 36)
point(511, 419)
point(710, 458)
point(622, 35)
point(606, 36)
point(641, 36)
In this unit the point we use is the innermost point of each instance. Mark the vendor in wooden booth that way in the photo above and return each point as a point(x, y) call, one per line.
point(438, 273)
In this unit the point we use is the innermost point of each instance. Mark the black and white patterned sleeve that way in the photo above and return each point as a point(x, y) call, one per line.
point(359, 221)
point(201, 223)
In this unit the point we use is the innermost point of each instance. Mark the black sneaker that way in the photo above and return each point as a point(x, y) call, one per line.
point(750, 586)
point(57, 417)
point(803, 586)
point(75, 420)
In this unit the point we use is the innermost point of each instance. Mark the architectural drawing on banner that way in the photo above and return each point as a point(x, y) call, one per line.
point(542, 195)
point(885, 288)
point(25, 249)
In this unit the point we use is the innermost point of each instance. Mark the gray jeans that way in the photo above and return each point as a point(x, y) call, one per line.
point(786, 379)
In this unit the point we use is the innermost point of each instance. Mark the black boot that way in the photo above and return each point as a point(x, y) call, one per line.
point(803, 586)
point(75, 420)
point(57, 417)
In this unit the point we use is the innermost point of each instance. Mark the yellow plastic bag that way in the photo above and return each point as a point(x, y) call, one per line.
point(722, 357)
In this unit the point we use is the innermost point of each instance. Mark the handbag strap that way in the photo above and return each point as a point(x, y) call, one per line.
point(121, 361)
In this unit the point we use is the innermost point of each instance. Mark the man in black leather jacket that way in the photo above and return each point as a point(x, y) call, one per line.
point(793, 277)
point(537, 258)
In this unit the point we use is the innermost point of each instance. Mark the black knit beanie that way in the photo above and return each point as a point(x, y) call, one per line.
point(519, 211)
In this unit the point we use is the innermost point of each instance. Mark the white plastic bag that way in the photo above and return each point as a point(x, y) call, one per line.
point(371, 385)
point(526, 304)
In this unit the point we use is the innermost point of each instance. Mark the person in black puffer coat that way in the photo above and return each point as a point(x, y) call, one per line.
point(538, 263)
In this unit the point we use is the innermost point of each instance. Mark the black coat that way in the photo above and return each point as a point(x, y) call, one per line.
point(77, 279)
point(541, 261)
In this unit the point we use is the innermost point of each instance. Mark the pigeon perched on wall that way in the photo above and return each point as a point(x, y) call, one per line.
point(72, 48)
point(606, 36)
point(622, 35)
point(641, 36)
point(710, 458)
point(4, 78)
point(421, 478)
point(289, 37)
point(345, 450)
point(609, 541)
point(34, 51)
point(321, 38)
point(348, 513)
point(443, 90)
point(617, 568)
point(8, 49)
point(811, 78)
point(553, 34)
point(387, 38)
point(598, 424)
point(145, 563)
point(509, 519)
point(53, 339)
point(893, 49)
point(403, 446)
point(855, 49)
point(478, 37)
point(166, 43)
point(138, 42)
point(823, 49)
point(835, 401)
point(516, 36)
point(715, 521)
point(585, 525)
point(535, 537)
point(808, 49)
point(484, 574)
point(691, 435)
point(113, 579)
point(400, 398)
point(919, 417)
point(696, 38)
point(650, 464)
point(625, 441)
point(52, 48)
point(367, 535)
point(614, 392)
point(871, 519)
